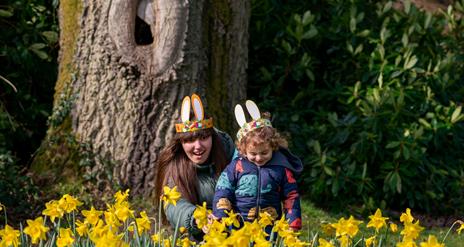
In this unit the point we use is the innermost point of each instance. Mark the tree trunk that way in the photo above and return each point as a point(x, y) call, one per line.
point(133, 62)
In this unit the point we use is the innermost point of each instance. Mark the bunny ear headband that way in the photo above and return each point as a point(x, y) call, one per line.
point(256, 123)
point(198, 123)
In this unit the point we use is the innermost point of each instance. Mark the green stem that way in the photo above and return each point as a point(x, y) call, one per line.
point(136, 233)
point(357, 242)
point(380, 241)
point(387, 230)
point(159, 221)
point(314, 239)
point(175, 232)
point(449, 230)
point(73, 226)
point(4, 211)
point(22, 235)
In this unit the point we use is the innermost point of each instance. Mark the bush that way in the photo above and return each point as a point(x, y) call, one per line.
point(28, 51)
point(17, 191)
point(371, 94)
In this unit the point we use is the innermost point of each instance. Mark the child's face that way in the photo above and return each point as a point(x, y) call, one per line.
point(259, 154)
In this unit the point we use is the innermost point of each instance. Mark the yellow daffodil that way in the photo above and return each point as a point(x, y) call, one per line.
point(344, 240)
point(281, 227)
point(352, 226)
point(53, 210)
point(182, 230)
point(121, 196)
point(232, 219)
point(377, 221)
point(344, 226)
point(109, 239)
point(122, 211)
point(411, 231)
point(216, 234)
point(370, 241)
point(431, 242)
point(218, 227)
point(9, 236)
point(185, 242)
point(339, 227)
point(143, 223)
point(292, 240)
point(261, 242)
point(461, 227)
point(1, 207)
point(36, 230)
point(406, 217)
point(406, 243)
point(239, 237)
point(166, 243)
point(170, 196)
point(255, 230)
point(82, 228)
point(65, 238)
point(214, 239)
point(265, 219)
point(98, 230)
point(156, 237)
point(92, 216)
point(328, 229)
point(393, 227)
point(201, 215)
point(111, 218)
point(69, 203)
point(325, 243)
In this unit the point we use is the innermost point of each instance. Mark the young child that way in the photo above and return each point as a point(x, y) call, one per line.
point(262, 177)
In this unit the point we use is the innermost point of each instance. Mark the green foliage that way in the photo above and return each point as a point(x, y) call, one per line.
point(371, 95)
point(28, 51)
point(64, 164)
point(16, 190)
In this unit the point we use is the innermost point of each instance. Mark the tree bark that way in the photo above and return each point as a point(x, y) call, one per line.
point(128, 93)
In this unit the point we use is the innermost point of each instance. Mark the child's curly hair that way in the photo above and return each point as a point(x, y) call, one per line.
point(262, 135)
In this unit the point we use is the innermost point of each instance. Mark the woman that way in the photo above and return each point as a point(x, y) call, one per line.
point(192, 161)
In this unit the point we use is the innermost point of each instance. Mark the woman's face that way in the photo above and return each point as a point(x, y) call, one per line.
point(198, 150)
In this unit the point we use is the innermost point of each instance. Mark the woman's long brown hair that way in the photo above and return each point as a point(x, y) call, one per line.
point(173, 164)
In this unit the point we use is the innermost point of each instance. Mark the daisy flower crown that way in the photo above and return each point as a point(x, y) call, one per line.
point(256, 123)
point(199, 123)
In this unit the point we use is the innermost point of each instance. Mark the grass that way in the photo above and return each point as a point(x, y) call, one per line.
point(313, 218)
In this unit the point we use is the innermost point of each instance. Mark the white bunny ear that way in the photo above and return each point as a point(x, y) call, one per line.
point(253, 109)
point(239, 115)
point(185, 110)
point(197, 107)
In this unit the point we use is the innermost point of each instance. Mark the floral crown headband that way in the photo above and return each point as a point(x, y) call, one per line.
point(198, 123)
point(256, 123)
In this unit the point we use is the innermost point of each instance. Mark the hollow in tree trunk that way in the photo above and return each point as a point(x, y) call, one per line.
point(129, 63)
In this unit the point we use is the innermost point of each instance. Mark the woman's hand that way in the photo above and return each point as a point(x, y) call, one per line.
point(206, 227)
